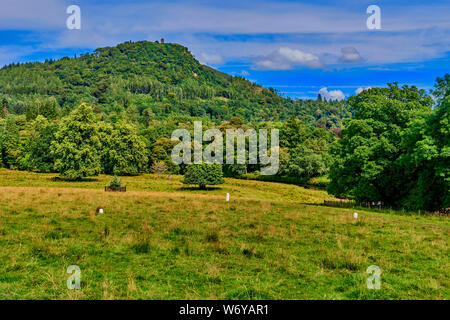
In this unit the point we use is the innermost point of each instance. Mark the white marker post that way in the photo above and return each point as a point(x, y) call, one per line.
point(355, 215)
point(228, 196)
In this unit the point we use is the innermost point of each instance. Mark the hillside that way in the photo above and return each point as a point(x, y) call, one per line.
point(150, 80)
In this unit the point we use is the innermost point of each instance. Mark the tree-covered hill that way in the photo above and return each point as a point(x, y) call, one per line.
point(149, 80)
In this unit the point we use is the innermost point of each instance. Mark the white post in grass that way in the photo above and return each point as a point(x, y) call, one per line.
point(228, 196)
point(355, 215)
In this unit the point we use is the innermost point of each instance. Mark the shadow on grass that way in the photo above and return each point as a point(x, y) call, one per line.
point(199, 189)
point(57, 178)
point(392, 211)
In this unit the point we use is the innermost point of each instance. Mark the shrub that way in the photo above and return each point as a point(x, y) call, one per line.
point(158, 167)
point(235, 170)
point(115, 182)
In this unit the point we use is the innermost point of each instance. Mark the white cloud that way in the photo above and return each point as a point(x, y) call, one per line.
point(206, 58)
point(319, 28)
point(331, 95)
point(360, 89)
point(32, 14)
point(286, 58)
point(241, 16)
point(350, 54)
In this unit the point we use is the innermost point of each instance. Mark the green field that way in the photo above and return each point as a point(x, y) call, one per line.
point(161, 240)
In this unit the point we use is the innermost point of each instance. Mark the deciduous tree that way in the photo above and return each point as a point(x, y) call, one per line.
point(76, 147)
point(203, 174)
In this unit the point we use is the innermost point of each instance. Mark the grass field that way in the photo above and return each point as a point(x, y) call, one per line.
point(161, 240)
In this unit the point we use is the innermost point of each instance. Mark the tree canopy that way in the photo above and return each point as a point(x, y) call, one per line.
point(76, 145)
point(145, 81)
point(203, 174)
point(394, 149)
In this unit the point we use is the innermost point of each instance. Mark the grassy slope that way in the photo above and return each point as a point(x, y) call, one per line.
point(160, 240)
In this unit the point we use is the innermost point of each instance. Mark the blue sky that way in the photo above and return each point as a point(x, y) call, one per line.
point(296, 47)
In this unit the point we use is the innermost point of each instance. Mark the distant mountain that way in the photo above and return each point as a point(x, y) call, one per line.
point(153, 79)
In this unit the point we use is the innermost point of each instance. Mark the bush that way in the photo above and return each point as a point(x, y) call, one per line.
point(203, 174)
point(235, 170)
point(115, 182)
point(158, 167)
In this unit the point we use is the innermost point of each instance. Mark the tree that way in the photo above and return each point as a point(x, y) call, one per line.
point(147, 116)
point(123, 151)
point(161, 152)
point(442, 88)
point(427, 157)
point(366, 160)
point(115, 182)
point(50, 108)
point(235, 170)
point(304, 162)
point(3, 108)
point(203, 174)
point(9, 142)
point(158, 167)
point(236, 122)
point(36, 143)
point(77, 144)
point(32, 110)
point(293, 133)
point(306, 149)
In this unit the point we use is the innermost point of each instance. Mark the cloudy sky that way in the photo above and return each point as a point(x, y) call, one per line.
point(296, 47)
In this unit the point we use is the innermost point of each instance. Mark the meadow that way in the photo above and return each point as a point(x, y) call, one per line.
point(163, 240)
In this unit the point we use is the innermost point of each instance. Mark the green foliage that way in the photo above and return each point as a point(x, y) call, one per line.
point(9, 142)
point(158, 167)
point(123, 151)
point(305, 162)
point(203, 174)
point(235, 170)
point(304, 150)
point(47, 107)
point(427, 158)
point(394, 150)
point(77, 144)
point(35, 143)
point(148, 81)
point(161, 156)
point(115, 182)
point(442, 88)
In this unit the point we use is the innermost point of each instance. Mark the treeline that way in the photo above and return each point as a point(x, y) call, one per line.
point(150, 81)
point(84, 144)
point(396, 148)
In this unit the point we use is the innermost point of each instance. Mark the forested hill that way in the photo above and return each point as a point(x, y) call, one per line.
point(149, 80)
